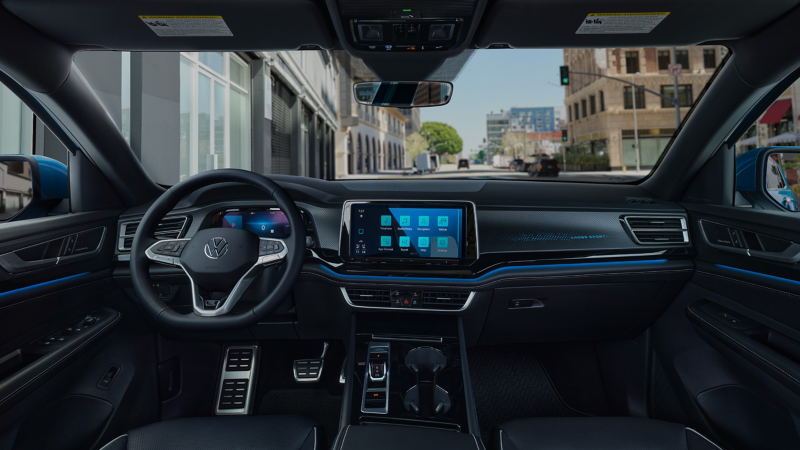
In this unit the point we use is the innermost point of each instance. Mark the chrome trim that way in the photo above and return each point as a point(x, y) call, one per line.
point(238, 289)
point(628, 255)
point(350, 302)
point(332, 264)
point(231, 375)
point(684, 228)
point(474, 214)
point(123, 229)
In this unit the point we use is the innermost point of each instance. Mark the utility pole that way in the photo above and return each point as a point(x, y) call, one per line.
point(673, 60)
point(635, 125)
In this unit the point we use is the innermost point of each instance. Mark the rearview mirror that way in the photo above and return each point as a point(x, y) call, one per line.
point(30, 186)
point(403, 94)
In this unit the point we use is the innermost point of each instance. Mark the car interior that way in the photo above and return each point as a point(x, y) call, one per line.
point(658, 313)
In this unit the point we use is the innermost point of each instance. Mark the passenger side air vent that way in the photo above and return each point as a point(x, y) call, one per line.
point(168, 228)
point(444, 300)
point(654, 230)
point(368, 297)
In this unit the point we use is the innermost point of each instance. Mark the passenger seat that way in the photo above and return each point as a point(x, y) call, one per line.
point(597, 433)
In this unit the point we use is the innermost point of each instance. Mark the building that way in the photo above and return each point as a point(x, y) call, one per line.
point(777, 126)
point(413, 125)
point(600, 110)
point(187, 112)
point(375, 143)
point(535, 119)
point(496, 126)
point(522, 119)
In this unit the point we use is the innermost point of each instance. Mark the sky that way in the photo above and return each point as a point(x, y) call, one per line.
point(498, 79)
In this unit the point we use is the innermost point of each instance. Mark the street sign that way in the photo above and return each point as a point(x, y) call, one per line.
point(675, 70)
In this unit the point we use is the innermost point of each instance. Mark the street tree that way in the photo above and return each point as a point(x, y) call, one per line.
point(416, 144)
point(443, 138)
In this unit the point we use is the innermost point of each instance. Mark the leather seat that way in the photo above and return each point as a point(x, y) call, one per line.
point(223, 433)
point(597, 433)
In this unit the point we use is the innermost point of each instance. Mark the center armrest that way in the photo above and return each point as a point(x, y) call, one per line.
point(399, 437)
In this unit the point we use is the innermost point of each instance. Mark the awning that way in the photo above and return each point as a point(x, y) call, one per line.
point(776, 112)
point(785, 138)
point(749, 141)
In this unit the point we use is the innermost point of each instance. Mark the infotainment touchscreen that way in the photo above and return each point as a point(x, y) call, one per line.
point(409, 232)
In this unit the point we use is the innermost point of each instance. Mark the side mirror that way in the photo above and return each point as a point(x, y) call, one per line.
point(769, 177)
point(403, 94)
point(30, 186)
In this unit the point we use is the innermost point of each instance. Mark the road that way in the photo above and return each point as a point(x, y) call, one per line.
point(487, 171)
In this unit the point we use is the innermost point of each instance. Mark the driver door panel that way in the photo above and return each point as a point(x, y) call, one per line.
point(39, 304)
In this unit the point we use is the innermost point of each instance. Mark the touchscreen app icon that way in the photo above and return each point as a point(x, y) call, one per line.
point(386, 221)
point(405, 221)
point(442, 222)
point(441, 242)
point(422, 242)
point(424, 221)
point(405, 241)
point(386, 241)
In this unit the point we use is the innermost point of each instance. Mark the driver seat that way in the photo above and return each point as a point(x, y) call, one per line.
point(223, 433)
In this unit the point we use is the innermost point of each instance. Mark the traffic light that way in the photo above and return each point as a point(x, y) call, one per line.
point(564, 135)
point(564, 75)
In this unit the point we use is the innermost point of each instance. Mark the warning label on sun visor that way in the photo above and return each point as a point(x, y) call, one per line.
point(180, 26)
point(621, 23)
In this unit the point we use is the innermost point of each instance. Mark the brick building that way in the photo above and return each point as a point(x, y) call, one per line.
point(600, 117)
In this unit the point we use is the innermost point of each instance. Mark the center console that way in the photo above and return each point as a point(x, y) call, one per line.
point(412, 372)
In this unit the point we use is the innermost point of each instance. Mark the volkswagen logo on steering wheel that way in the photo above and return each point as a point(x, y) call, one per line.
point(216, 248)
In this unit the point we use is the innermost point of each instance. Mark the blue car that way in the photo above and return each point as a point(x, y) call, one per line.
point(775, 179)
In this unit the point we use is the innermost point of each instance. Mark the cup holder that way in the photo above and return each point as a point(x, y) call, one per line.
point(426, 399)
point(439, 405)
point(425, 360)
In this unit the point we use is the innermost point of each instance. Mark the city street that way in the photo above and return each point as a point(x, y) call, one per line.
point(487, 171)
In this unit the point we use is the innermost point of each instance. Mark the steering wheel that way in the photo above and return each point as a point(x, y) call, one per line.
point(219, 260)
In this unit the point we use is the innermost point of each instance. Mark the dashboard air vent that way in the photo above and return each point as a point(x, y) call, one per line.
point(654, 230)
point(168, 228)
point(641, 201)
point(444, 299)
point(369, 297)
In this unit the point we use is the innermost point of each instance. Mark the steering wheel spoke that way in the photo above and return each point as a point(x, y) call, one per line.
point(167, 251)
point(271, 251)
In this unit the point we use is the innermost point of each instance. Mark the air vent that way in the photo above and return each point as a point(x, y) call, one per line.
point(656, 230)
point(369, 297)
point(168, 228)
point(444, 299)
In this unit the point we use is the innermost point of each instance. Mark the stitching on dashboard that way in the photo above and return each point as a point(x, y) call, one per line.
point(749, 284)
point(60, 360)
point(455, 280)
point(53, 293)
point(745, 347)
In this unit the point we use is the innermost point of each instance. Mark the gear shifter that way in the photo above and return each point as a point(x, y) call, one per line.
point(377, 371)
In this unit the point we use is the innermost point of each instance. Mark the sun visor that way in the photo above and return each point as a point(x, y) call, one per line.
point(158, 25)
point(591, 24)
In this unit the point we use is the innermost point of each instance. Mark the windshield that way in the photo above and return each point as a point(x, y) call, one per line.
point(602, 115)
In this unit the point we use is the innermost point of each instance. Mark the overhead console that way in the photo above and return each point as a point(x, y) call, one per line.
point(406, 35)
point(409, 233)
point(406, 27)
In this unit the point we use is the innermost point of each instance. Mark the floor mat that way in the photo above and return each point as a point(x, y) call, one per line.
point(508, 382)
point(316, 404)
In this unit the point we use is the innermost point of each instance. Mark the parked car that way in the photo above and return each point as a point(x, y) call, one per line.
point(516, 165)
point(463, 163)
point(544, 167)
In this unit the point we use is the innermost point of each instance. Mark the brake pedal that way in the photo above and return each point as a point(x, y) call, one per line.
point(310, 370)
